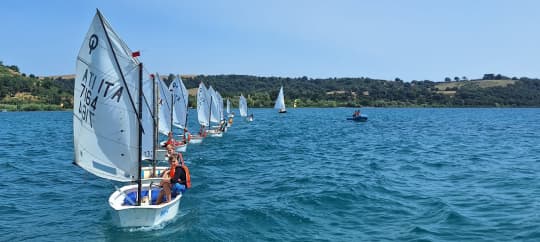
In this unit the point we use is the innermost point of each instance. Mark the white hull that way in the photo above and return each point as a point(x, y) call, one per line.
point(215, 133)
point(140, 216)
point(250, 119)
point(181, 148)
point(196, 139)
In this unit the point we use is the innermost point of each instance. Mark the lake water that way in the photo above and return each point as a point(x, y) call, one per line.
point(308, 175)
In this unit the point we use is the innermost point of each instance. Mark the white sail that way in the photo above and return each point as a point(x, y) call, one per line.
point(242, 105)
point(220, 106)
point(214, 107)
point(280, 100)
point(202, 105)
point(164, 105)
point(105, 122)
point(180, 96)
point(228, 106)
point(148, 120)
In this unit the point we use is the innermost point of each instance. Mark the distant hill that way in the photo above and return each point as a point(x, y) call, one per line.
point(17, 90)
point(490, 91)
point(21, 92)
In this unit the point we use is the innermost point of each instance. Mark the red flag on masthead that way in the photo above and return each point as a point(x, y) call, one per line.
point(136, 54)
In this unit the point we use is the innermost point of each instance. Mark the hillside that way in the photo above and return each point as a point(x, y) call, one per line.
point(21, 92)
point(333, 92)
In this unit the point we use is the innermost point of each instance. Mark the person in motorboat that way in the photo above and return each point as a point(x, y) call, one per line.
point(173, 182)
point(356, 113)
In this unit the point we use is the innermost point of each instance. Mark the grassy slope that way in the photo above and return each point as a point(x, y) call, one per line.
point(480, 83)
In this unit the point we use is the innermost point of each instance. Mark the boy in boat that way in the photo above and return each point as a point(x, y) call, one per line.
point(187, 136)
point(170, 140)
point(222, 125)
point(202, 131)
point(170, 151)
point(173, 182)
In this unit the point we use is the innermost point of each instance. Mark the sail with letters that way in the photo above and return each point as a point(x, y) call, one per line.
point(108, 129)
point(148, 120)
point(180, 96)
point(105, 117)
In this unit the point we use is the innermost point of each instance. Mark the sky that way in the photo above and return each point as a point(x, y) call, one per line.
point(383, 39)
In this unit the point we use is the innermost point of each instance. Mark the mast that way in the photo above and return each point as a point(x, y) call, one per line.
point(172, 108)
point(139, 155)
point(187, 110)
point(210, 115)
point(138, 113)
point(155, 128)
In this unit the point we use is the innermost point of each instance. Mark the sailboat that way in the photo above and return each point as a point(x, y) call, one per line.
point(166, 102)
point(108, 128)
point(214, 113)
point(180, 110)
point(242, 106)
point(229, 113)
point(280, 102)
point(202, 114)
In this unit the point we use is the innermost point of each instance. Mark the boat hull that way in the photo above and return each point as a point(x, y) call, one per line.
point(140, 216)
point(196, 139)
point(359, 118)
point(218, 135)
point(181, 148)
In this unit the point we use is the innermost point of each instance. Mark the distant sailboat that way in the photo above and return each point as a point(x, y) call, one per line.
point(280, 102)
point(180, 110)
point(215, 113)
point(202, 114)
point(229, 113)
point(244, 109)
point(108, 128)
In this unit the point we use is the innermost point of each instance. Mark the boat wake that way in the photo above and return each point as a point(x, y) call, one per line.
point(147, 228)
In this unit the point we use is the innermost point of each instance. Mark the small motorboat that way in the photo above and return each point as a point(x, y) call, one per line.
point(359, 118)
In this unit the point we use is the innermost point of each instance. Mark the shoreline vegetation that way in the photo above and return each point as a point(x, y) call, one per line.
point(22, 92)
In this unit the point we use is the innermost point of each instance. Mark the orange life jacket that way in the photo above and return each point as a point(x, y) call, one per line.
point(171, 171)
point(188, 177)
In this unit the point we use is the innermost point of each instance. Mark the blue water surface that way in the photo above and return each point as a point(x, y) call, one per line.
point(307, 175)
